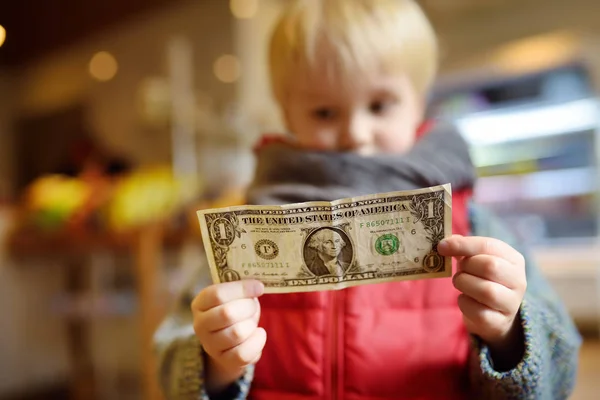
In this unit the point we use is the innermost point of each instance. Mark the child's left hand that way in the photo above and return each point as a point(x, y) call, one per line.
point(491, 278)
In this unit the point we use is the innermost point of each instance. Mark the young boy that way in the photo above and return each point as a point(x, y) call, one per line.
point(351, 77)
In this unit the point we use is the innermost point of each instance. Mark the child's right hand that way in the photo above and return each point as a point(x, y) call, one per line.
point(226, 323)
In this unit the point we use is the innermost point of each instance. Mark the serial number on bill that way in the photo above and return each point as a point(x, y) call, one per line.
point(266, 265)
point(385, 222)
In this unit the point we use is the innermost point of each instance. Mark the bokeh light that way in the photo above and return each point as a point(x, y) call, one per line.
point(2, 35)
point(103, 66)
point(243, 9)
point(227, 68)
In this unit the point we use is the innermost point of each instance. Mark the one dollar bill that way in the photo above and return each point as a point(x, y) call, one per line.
point(331, 245)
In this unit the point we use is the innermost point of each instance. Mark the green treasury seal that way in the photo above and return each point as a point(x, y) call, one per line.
point(387, 244)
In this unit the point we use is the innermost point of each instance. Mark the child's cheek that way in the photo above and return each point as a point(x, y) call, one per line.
point(321, 140)
point(395, 141)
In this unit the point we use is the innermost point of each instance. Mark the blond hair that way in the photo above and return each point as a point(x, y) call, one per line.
point(357, 36)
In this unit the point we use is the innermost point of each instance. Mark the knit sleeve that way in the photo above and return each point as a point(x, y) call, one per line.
point(180, 359)
point(548, 368)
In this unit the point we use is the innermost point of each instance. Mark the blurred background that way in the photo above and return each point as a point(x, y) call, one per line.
point(118, 119)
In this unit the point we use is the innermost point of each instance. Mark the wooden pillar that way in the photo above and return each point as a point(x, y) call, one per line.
point(82, 385)
point(148, 255)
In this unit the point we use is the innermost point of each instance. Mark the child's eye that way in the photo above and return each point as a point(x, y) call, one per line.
point(324, 113)
point(379, 107)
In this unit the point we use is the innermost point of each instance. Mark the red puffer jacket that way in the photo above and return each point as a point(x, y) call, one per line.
point(401, 340)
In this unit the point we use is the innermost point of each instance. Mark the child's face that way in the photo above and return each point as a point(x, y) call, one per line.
point(376, 114)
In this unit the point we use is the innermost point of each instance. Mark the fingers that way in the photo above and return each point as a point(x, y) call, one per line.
point(226, 320)
point(247, 352)
point(216, 295)
point(494, 269)
point(226, 315)
point(481, 320)
point(229, 333)
point(233, 336)
point(492, 278)
point(463, 246)
point(487, 293)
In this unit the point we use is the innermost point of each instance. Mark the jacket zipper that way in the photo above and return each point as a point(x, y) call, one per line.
point(336, 298)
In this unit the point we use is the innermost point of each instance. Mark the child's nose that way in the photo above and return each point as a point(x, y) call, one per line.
point(356, 135)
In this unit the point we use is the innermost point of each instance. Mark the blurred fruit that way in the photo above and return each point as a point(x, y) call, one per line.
point(53, 199)
point(149, 195)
